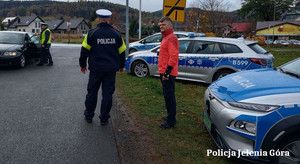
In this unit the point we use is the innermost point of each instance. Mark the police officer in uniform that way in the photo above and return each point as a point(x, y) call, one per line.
point(45, 41)
point(104, 48)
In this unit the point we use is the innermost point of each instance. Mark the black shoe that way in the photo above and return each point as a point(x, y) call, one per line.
point(50, 64)
point(166, 126)
point(103, 122)
point(164, 118)
point(88, 120)
point(40, 64)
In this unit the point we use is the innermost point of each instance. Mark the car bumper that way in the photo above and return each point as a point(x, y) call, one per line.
point(9, 60)
point(216, 118)
point(127, 65)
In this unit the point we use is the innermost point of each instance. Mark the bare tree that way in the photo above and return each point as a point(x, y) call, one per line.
point(212, 5)
point(215, 10)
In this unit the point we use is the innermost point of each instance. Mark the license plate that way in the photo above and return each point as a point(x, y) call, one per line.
point(207, 121)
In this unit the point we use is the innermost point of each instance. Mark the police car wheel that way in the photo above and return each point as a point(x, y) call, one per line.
point(222, 73)
point(21, 62)
point(292, 146)
point(140, 69)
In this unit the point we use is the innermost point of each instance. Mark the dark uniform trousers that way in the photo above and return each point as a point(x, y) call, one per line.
point(107, 80)
point(46, 54)
point(170, 100)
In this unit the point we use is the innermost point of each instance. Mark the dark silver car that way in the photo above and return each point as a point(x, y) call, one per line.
point(18, 47)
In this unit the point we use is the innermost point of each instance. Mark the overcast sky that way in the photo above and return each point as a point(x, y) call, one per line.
point(155, 5)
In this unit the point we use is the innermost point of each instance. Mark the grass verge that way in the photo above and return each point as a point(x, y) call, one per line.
point(189, 141)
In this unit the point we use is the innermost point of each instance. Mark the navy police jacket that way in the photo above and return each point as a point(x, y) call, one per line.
point(104, 48)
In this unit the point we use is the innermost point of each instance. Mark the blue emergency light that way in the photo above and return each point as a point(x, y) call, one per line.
point(192, 34)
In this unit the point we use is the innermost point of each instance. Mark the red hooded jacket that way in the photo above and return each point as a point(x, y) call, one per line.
point(169, 52)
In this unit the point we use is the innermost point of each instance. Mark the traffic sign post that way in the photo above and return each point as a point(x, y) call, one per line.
point(174, 9)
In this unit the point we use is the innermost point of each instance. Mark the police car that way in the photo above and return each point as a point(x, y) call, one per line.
point(255, 114)
point(151, 42)
point(204, 59)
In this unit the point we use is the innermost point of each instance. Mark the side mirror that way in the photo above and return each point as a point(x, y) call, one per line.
point(157, 52)
point(142, 41)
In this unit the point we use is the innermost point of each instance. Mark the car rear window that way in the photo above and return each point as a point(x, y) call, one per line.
point(258, 49)
point(230, 48)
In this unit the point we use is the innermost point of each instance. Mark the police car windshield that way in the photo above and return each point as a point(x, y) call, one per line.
point(258, 49)
point(292, 68)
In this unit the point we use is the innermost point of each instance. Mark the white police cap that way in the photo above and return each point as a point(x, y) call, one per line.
point(43, 23)
point(103, 13)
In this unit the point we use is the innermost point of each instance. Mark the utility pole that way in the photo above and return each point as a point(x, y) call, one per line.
point(68, 22)
point(274, 21)
point(127, 28)
point(140, 20)
point(198, 20)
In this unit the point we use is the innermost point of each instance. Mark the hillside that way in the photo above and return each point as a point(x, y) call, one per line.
point(58, 10)
point(50, 10)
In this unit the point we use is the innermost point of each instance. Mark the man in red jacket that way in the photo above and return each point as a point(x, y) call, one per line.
point(168, 69)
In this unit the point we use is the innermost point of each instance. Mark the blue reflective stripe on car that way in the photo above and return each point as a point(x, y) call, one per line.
point(247, 118)
point(264, 123)
point(290, 110)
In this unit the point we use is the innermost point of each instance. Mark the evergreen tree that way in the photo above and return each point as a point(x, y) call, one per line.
point(264, 10)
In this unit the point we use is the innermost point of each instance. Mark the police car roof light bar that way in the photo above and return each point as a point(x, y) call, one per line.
point(192, 34)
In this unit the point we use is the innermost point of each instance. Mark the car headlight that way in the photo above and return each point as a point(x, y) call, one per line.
point(257, 107)
point(13, 53)
point(243, 126)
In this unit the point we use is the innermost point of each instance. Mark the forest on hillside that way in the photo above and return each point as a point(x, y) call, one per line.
point(58, 10)
point(196, 20)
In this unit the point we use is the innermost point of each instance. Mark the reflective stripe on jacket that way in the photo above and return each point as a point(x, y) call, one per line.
point(43, 37)
point(169, 52)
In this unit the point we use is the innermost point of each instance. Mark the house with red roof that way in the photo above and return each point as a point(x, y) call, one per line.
point(234, 29)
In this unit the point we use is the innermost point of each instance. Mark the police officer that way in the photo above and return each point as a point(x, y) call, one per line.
point(45, 41)
point(104, 48)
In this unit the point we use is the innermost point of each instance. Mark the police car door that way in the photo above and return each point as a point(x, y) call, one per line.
point(184, 46)
point(204, 56)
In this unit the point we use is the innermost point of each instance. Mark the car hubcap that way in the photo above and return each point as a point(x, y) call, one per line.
point(141, 70)
point(294, 153)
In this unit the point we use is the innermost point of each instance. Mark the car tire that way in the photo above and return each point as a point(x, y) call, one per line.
point(140, 69)
point(132, 50)
point(222, 73)
point(291, 145)
point(21, 62)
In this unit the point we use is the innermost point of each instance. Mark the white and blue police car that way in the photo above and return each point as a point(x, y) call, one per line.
point(255, 114)
point(151, 41)
point(204, 59)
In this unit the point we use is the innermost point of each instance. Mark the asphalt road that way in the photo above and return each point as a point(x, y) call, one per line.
point(41, 115)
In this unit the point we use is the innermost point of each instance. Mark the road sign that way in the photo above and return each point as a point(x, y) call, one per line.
point(174, 9)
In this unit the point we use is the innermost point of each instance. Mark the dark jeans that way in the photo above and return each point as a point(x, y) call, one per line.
point(107, 80)
point(46, 56)
point(170, 100)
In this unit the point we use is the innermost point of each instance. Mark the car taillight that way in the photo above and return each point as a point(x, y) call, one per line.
point(259, 61)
